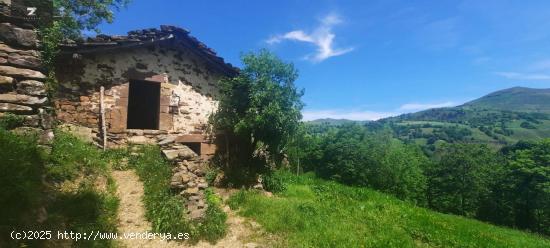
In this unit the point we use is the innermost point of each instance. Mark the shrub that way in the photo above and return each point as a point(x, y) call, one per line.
point(276, 181)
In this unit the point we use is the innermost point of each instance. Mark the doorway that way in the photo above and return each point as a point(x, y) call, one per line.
point(143, 105)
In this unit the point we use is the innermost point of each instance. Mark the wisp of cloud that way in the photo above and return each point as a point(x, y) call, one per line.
point(322, 37)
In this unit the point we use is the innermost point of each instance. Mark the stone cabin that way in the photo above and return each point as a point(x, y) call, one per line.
point(151, 86)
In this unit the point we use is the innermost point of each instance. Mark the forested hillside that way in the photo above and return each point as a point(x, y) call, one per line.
point(498, 119)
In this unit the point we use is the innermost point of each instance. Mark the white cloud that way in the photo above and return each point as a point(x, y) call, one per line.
point(322, 37)
point(422, 106)
point(310, 115)
point(523, 76)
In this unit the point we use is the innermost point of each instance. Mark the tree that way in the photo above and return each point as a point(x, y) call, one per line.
point(462, 178)
point(259, 112)
point(528, 182)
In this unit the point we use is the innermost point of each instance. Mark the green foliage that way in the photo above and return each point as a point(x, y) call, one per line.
point(214, 226)
point(462, 178)
point(165, 210)
point(10, 121)
point(22, 165)
point(85, 15)
point(259, 112)
point(82, 158)
point(317, 213)
point(352, 155)
point(521, 196)
point(83, 209)
point(275, 181)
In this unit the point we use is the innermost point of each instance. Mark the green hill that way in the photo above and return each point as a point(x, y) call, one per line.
point(518, 99)
point(500, 118)
point(317, 213)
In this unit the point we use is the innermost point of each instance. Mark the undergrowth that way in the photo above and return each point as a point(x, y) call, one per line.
point(166, 210)
point(71, 196)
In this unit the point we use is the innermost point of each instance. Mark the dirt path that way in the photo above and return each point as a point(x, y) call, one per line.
point(131, 218)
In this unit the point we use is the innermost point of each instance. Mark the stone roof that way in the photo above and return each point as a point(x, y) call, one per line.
point(141, 37)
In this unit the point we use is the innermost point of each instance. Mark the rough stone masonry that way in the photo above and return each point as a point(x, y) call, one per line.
point(22, 88)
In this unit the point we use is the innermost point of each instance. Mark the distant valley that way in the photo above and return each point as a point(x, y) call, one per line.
point(500, 118)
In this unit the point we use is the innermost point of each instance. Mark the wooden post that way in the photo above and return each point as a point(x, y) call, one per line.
point(102, 112)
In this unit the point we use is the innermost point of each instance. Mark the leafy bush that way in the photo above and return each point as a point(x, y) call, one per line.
point(275, 181)
point(259, 112)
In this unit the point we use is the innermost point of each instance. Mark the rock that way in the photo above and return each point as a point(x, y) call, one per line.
point(22, 99)
point(31, 87)
point(7, 49)
point(140, 140)
point(167, 140)
point(23, 37)
point(170, 154)
point(258, 186)
point(185, 178)
point(192, 191)
point(196, 214)
point(47, 137)
point(25, 61)
point(194, 198)
point(84, 133)
point(14, 108)
point(202, 185)
point(46, 119)
point(176, 185)
point(191, 185)
point(18, 72)
point(135, 131)
point(31, 120)
point(4, 80)
point(182, 153)
point(251, 245)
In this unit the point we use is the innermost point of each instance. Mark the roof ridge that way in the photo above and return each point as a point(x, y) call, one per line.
point(145, 36)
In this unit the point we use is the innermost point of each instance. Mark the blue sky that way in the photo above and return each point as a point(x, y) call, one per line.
point(370, 59)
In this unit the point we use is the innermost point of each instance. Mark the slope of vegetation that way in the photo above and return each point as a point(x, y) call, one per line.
point(519, 99)
point(310, 212)
point(165, 210)
point(67, 189)
point(507, 187)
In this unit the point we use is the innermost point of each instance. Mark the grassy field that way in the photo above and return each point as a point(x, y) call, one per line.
point(316, 213)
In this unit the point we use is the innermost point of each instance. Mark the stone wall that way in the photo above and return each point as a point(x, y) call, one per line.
point(188, 86)
point(22, 88)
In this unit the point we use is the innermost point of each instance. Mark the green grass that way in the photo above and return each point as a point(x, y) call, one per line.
point(82, 207)
point(316, 213)
point(165, 209)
